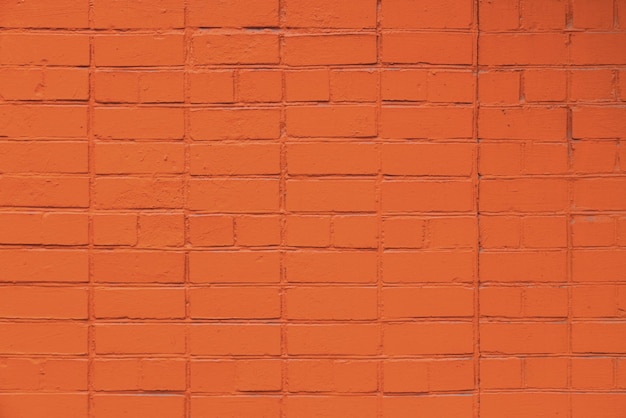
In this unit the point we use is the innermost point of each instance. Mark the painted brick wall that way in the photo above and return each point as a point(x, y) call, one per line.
point(312, 208)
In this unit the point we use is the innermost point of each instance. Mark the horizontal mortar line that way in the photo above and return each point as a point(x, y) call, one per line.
point(245, 285)
point(232, 322)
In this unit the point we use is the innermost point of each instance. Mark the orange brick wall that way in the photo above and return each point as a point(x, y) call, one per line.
point(312, 208)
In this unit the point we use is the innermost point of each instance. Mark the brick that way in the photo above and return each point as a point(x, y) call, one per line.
point(234, 267)
point(161, 230)
point(598, 48)
point(234, 13)
point(234, 159)
point(139, 157)
point(409, 376)
point(526, 195)
point(599, 194)
point(138, 123)
point(66, 338)
point(501, 373)
point(592, 373)
point(545, 85)
point(139, 374)
point(354, 86)
point(156, 303)
point(126, 406)
point(546, 158)
point(336, 339)
point(328, 303)
point(114, 229)
point(598, 122)
point(138, 267)
point(436, 122)
point(500, 231)
point(43, 302)
point(524, 404)
point(329, 14)
point(323, 375)
point(212, 87)
point(500, 158)
point(546, 372)
point(308, 231)
point(44, 48)
point(527, 266)
point(139, 87)
point(33, 14)
point(237, 48)
point(498, 15)
point(428, 266)
point(28, 121)
point(590, 265)
point(428, 159)
point(598, 338)
point(31, 157)
point(593, 231)
point(518, 123)
point(348, 49)
point(334, 121)
point(49, 191)
point(211, 230)
point(594, 156)
point(48, 405)
point(427, 196)
point(119, 14)
point(260, 86)
point(522, 49)
point(44, 228)
point(233, 195)
point(424, 14)
point(140, 339)
point(401, 232)
point(595, 85)
point(606, 405)
point(239, 375)
point(331, 195)
point(427, 338)
point(523, 338)
point(594, 301)
point(235, 303)
point(427, 302)
point(252, 406)
point(43, 265)
point(307, 85)
point(331, 266)
point(128, 50)
point(44, 84)
point(331, 406)
point(545, 231)
point(439, 406)
point(537, 14)
point(414, 48)
point(452, 232)
point(138, 193)
point(258, 230)
point(355, 231)
point(332, 158)
point(212, 124)
point(499, 87)
point(259, 340)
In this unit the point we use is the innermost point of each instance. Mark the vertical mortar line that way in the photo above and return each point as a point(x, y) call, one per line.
point(380, 248)
point(568, 216)
point(282, 187)
point(186, 175)
point(476, 284)
point(91, 335)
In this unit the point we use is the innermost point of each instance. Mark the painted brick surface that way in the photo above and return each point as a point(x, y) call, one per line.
point(312, 208)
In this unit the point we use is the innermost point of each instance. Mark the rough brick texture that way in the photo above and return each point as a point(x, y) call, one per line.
point(312, 208)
